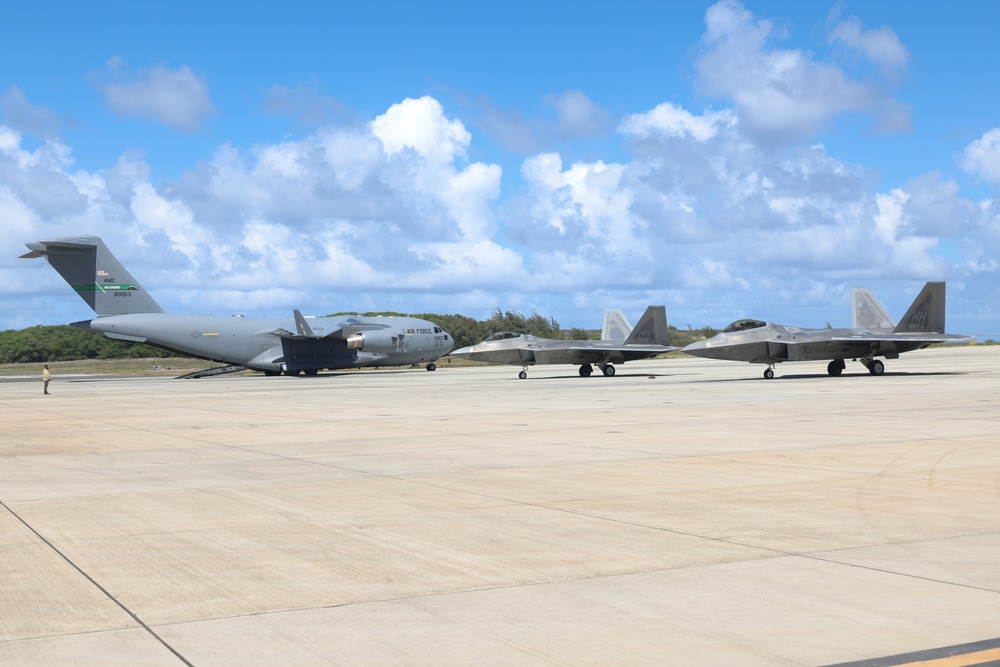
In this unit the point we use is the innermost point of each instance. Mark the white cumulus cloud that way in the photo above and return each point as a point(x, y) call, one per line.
point(781, 95)
point(982, 157)
point(176, 98)
point(880, 45)
point(420, 125)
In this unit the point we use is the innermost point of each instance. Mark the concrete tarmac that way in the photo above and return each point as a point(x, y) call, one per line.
point(683, 512)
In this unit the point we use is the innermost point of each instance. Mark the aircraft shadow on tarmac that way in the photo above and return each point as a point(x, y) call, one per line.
point(842, 378)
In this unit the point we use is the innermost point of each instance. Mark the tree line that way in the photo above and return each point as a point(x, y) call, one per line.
point(64, 343)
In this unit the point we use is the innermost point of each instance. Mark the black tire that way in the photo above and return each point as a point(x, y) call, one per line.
point(769, 374)
point(609, 371)
point(523, 375)
point(876, 367)
point(312, 371)
point(292, 373)
point(835, 367)
point(431, 367)
point(586, 370)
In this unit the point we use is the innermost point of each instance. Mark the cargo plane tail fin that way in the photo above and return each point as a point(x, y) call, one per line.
point(89, 267)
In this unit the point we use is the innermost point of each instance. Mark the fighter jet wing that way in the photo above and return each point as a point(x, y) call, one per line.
point(869, 336)
point(652, 349)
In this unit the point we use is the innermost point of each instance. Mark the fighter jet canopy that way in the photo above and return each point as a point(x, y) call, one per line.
point(744, 325)
point(503, 335)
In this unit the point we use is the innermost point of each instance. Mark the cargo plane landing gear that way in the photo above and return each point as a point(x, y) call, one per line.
point(432, 366)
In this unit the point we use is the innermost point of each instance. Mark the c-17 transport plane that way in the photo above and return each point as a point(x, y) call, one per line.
point(294, 345)
point(764, 343)
point(649, 338)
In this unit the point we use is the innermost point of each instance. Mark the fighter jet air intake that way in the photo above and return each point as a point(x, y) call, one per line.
point(763, 343)
point(293, 345)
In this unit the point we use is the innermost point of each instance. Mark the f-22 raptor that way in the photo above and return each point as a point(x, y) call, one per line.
point(649, 338)
point(764, 343)
point(125, 311)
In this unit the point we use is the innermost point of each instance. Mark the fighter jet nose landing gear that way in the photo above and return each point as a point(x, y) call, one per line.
point(523, 375)
point(769, 373)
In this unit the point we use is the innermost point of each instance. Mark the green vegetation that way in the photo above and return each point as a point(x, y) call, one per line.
point(64, 343)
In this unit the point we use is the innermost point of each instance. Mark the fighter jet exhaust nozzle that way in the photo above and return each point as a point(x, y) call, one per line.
point(374, 341)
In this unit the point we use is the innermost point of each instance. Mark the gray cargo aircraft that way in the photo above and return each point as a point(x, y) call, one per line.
point(764, 343)
point(649, 338)
point(125, 311)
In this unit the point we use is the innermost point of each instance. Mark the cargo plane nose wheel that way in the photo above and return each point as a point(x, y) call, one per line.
point(432, 366)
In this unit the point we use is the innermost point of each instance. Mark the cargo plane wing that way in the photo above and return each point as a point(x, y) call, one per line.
point(649, 338)
point(761, 342)
point(125, 311)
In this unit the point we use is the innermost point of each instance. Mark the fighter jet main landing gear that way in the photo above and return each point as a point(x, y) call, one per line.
point(836, 367)
point(874, 366)
point(586, 370)
point(606, 368)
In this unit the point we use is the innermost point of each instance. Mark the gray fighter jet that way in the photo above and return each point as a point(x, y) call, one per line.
point(649, 338)
point(294, 345)
point(764, 343)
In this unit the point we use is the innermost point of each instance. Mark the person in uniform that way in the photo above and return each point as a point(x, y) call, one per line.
point(45, 378)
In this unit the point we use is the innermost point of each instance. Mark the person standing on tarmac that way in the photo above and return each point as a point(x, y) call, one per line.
point(45, 378)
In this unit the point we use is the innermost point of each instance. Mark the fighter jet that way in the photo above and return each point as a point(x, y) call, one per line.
point(294, 345)
point(649, 338)
point(763, 343)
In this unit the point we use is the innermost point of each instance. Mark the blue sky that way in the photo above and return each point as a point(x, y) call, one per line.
point(723, 159)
